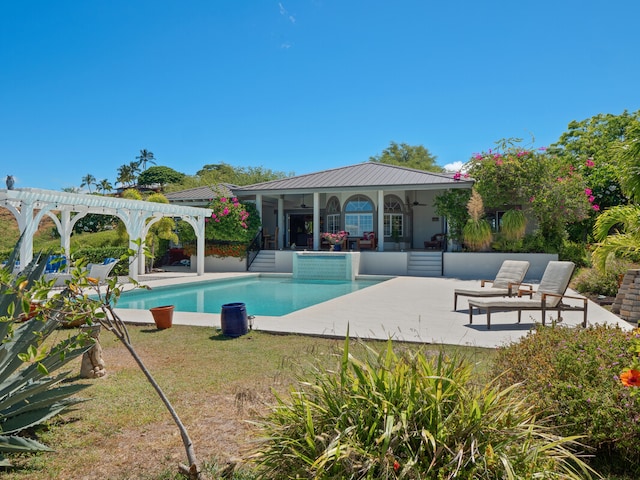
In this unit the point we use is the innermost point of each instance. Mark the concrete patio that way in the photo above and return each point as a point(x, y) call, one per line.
point(412, 309)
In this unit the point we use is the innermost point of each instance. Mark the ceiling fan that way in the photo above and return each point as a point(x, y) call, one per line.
point(303, 205)
point(415, 203)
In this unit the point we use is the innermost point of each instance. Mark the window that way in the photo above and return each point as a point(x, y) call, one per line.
point(333, 215)
point(358, 216)
point(393, 217)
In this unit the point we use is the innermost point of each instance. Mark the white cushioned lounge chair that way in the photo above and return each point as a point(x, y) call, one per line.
point(506, 283)
point(548, 296)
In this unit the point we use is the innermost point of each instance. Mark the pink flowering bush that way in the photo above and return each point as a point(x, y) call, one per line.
point(231, 220)
point(552, 191)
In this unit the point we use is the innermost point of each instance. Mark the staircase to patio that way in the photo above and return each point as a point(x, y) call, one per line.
point(264, 262)
point(424, 264)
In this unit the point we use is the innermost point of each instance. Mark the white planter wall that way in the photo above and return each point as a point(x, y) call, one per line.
point(481, 265)
point(224, 264)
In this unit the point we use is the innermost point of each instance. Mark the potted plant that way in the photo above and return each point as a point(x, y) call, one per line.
point(335, 239)
point(162, 316)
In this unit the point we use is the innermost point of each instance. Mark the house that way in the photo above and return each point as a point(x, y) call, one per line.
point(394, 202)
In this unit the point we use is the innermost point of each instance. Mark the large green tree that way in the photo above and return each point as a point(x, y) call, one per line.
point(596, 141)
point(160, 176)
point(404, 155)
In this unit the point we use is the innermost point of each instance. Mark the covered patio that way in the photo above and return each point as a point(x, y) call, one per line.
point(29, 206)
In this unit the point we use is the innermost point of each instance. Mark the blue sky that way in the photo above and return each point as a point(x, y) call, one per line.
point(298, 86)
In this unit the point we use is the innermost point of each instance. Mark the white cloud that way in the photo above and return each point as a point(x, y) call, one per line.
point(285, 13)
point(453, 167)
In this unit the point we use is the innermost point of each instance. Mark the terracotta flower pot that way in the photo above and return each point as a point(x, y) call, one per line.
point(163, 316)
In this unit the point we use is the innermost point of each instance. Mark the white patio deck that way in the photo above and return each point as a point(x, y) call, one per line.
point(411, 309)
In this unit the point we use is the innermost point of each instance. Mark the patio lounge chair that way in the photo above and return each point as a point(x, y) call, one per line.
point(506, 283)
point(101, 271)
point(548, 296)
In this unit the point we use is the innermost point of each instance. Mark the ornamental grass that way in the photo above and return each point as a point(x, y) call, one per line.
point(408, 415)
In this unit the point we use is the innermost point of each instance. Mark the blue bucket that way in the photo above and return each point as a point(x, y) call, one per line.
point(233, 319)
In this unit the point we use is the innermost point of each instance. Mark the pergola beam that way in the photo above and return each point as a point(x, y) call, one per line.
point(29, 205)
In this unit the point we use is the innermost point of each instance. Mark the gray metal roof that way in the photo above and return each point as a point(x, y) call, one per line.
point(197, 194)
point(362, 175)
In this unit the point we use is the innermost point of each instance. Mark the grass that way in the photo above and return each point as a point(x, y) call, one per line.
point(215, 383)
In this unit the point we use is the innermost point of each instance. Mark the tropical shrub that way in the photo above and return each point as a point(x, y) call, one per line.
point(513, 225)
point(592, 281)
point(572, 378)
point(553, 191)
point(575, 252)
point(391, 415)
point(97, 255)
point(476, 234)
point(29, 394)
point(452, 205)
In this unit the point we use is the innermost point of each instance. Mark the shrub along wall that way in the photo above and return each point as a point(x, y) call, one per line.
point(97, 255)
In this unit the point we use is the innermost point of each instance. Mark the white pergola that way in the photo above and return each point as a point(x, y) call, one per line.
point(30, 205)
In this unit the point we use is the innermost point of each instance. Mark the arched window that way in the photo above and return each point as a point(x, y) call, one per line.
point(358, 217)
point(333, 215)
point(393, 217)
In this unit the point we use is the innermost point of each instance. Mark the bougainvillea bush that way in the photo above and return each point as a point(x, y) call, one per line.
point(573, 377)
point(554, 193)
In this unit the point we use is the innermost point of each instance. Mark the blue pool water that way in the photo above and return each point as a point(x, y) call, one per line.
point(262, 296)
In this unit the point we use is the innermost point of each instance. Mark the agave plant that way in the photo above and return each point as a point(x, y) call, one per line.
point(29, 394)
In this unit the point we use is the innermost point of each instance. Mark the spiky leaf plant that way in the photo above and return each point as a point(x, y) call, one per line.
point(29, 394)
point(390, 416)
point(513, 225)
point(476, 233)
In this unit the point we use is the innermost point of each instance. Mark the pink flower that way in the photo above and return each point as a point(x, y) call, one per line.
point(457, 176)
point(595, 207)
point(588, 191)
point(477, 156)
point(589, 163)
point(466, 175)
point(532, 199)
point(223, 199)
point(499, 162)
point(591, 198)
point(225, 211)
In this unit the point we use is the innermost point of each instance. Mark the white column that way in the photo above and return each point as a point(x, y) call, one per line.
point(380, 232)
point(200, 240)
point(316, 221)
point(280, 222)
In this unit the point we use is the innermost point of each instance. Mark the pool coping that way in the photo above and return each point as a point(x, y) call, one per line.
point(410, 309)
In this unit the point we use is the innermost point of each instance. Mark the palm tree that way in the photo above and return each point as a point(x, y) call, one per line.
point(618, 229)
point(105, 186)
point(145, 157)
point(87, 181)
point(618, 232)
point(126, 175)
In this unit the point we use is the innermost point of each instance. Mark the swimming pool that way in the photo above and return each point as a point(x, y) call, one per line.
point(261, 295)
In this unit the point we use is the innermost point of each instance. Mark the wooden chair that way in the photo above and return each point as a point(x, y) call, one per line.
point(436, 242)
point(368, 241)
point(273, 241)
point(548, 296)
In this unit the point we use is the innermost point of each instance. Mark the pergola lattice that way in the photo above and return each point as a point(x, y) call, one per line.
point(30, 205)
